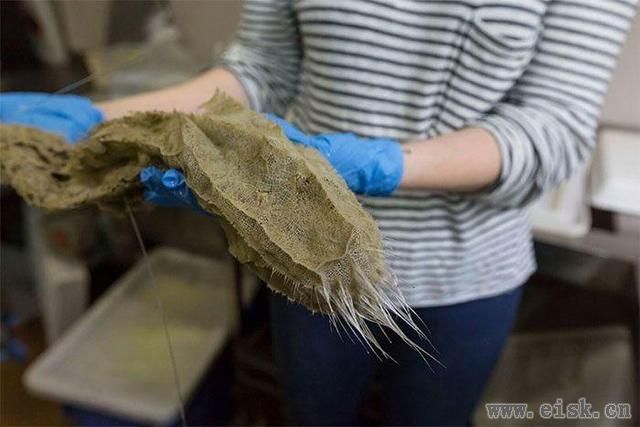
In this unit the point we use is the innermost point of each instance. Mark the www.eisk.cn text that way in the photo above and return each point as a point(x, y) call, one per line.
point(558, 410)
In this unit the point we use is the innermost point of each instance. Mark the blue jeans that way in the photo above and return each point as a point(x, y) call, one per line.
point(326, 375)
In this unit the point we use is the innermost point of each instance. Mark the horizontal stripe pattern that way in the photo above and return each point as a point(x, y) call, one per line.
point(533, 73)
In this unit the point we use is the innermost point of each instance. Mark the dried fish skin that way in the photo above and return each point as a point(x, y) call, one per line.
point(284, 210)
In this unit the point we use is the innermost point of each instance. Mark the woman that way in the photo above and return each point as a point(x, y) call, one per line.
point(459, 114)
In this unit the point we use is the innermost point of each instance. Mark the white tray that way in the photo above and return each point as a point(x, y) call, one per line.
point(115, 358)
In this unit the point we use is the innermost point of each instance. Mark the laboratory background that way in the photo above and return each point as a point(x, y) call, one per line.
point(87, 339)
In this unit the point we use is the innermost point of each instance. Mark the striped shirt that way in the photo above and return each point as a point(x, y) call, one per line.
point(532, 72)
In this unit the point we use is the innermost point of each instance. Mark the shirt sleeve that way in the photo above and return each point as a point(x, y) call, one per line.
point(546, 125)
point(266, 54)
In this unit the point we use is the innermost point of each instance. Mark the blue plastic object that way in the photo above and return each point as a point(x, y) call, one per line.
point(71, 116)
point(11, 348)
point(369, 166)
point(168, 188)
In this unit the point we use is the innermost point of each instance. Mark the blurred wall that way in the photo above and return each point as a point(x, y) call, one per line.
point(622, 105)
point(86, 24)
point(207, 27)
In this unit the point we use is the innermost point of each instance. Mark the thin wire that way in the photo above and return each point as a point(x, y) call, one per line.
point(132, 58)
point(87, 79)
point(162, 311)
point(135, 56)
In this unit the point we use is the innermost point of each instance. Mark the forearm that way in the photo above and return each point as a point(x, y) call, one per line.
point(465, 160)
point(185, 97)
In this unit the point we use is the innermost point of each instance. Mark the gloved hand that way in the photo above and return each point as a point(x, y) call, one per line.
point(168, 188)
point(369, 166)
point(68, 115)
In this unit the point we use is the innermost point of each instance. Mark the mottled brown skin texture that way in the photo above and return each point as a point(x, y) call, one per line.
point(285, 212)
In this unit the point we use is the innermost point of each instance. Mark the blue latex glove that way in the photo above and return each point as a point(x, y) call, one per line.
point(68, 115)
point(168, 188)
point(369, 166)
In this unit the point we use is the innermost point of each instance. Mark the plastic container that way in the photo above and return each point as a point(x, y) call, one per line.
point(115, 360)
point(210, 404)
point(615, 178)
point(62, 279)
point(565, 211)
